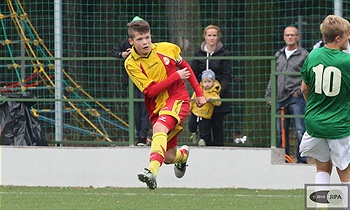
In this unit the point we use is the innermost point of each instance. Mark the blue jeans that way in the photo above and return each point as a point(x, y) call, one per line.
point(292, 106)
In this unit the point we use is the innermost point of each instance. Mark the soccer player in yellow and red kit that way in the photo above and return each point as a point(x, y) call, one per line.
point(158, 70)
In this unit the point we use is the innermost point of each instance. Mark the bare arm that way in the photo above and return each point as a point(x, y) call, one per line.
point(305, 90)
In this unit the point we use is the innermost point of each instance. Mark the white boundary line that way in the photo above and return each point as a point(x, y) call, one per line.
point(155, 194)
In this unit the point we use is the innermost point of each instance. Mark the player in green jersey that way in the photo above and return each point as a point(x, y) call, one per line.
point(326, 88)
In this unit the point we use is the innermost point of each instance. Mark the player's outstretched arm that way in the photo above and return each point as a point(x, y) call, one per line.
point(192, 78)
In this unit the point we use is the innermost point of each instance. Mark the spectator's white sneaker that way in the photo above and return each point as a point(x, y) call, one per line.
point(201, 143)
point(241, 140)
point(194, 138)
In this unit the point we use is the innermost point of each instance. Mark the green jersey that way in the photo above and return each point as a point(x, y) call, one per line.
point(327, 73)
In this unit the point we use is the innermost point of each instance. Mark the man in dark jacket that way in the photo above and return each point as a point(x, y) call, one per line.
point(290, 59)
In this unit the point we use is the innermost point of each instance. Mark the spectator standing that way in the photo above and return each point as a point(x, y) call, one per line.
point(141, 117)
point(159, 71)
point(210, 47)
point(326, 88)
point(200, 116)
point(290, 59)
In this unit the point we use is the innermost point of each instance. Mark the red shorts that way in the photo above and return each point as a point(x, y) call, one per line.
point(172, 115)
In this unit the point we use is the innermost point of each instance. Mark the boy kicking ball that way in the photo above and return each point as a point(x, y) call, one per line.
point(153, 67)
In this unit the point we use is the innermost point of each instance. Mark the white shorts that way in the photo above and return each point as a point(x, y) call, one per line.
point(325, 149)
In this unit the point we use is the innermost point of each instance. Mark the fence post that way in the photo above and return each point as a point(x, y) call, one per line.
point(131, 114)
point(273, 104)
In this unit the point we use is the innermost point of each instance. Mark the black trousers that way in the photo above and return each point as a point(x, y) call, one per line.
point(203, 126)
point(142, 122)
point(217, 124)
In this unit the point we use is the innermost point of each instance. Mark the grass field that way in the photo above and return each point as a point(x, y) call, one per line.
point(142, 198)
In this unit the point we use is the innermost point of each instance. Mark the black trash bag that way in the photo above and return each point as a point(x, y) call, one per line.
point(18, 125)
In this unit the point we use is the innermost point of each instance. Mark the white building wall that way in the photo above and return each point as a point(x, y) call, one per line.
point(225, 167)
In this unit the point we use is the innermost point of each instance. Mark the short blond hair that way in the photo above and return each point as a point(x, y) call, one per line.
point(334, 26)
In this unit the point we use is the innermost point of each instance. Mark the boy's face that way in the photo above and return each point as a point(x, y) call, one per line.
point(207, 83)
point(344, 41)
point(142, 43)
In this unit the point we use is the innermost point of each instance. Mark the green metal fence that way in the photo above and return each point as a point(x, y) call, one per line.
point(96, 104)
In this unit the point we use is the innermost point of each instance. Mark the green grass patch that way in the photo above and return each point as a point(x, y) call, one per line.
point(142, 198)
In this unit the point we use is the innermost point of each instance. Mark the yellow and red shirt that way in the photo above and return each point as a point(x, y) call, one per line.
point(155, 75)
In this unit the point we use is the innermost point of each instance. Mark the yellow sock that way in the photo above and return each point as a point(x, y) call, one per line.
point(181, 156)
point(158, 149)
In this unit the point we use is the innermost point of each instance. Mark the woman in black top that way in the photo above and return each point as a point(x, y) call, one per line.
point(212, 46)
